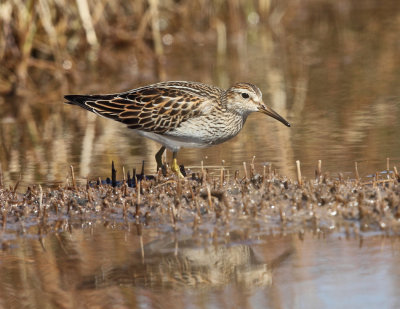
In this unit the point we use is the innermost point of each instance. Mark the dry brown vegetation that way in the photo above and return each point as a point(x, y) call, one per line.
point(272, 202)
point(47, 42)
point(45, 39)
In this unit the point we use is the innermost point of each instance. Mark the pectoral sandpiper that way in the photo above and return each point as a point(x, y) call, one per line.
point(179, 113)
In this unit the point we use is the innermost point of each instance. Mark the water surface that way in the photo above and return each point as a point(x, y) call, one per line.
point(109, 267)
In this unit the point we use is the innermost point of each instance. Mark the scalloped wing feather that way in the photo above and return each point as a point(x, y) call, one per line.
point(153, 109)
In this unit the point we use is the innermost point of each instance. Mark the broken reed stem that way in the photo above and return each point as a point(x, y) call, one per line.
point(125, 188)
point(17, 183)
point(172, 213)
point(137, 214)
point(396, 173)
point(222, 176)
point(113, 175)
point(125, 209)
point(245, 170)
point(73, 177)
point(388, 164)
point(164, 159)
point(1, 177)
point(196, 203)
point(179, 188)
point(191, 193)
point(356, 170)
point(138, 186)
point(40, 199)
point(89, 195)
point(252, 169)
point(235, 177)
point(270, 171)
point(134, 178)
point(142, 171)
point(204, 176)
point(318, 172)
point(264, 173)
point(209, 198)
point(4, 214)
point(298, 172)
point(159, 174)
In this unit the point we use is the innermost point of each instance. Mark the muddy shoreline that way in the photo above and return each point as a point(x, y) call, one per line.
point(259, 202)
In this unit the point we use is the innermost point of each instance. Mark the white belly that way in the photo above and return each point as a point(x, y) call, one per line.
point(198, 133)
point(173, 143)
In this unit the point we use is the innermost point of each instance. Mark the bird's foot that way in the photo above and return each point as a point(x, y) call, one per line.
point(175, 168)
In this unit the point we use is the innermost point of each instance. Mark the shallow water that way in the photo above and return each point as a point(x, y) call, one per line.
point(108, 267)
point(331, 69)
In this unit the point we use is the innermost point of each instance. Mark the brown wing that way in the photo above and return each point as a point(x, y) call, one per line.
point(157, 108)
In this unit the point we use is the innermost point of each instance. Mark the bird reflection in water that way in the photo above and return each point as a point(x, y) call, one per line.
point(165, 264)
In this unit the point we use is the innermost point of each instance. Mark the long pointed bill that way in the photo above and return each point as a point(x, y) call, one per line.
point(270, 112)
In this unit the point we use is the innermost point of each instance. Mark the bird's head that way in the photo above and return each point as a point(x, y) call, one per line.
point(245, 98)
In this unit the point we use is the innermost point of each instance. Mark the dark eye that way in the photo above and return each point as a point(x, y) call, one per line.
point(245, 95)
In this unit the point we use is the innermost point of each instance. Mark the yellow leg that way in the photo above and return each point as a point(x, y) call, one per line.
point(175, 167)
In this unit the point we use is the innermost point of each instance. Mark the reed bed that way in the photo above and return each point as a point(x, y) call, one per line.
point(48, 39)
point(258, 200)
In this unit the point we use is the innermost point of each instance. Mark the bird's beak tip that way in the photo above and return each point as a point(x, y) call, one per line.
point(270, 112)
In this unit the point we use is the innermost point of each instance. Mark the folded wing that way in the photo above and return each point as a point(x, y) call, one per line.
point(157, 109)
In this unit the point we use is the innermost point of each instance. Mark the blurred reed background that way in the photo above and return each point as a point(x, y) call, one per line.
point(44, 42)
point(331, 67)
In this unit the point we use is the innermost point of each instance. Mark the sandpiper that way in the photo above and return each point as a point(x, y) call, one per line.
point(179, 113)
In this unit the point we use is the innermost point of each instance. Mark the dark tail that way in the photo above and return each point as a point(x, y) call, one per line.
point(80, 100)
